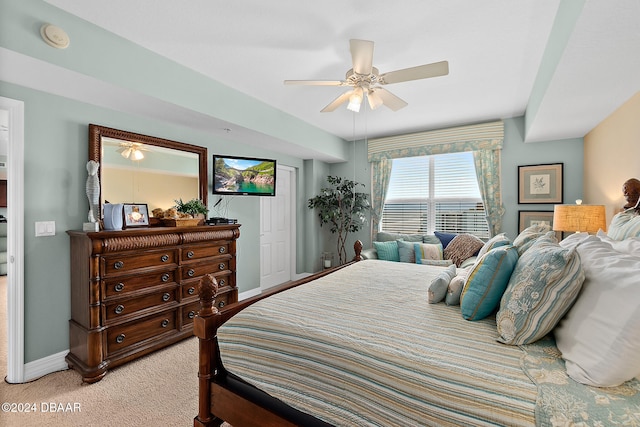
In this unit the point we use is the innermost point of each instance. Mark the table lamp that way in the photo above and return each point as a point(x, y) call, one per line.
point(579, 218)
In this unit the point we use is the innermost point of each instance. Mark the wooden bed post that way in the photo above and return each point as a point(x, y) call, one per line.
point(357, 247)
point(204, 327)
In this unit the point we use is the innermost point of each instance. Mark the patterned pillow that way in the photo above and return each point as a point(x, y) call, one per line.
point(454, 290)
point(427, 251)
point(623, 225)
point(406, 251)
point(544, 284)
point(438, 262)
point(494, 242)
point(528, 236)
point(387, 251)
point(487, 281)
point(439, 285)
point(462, 247)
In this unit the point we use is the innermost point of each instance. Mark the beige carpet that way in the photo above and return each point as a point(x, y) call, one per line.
point(157, 390)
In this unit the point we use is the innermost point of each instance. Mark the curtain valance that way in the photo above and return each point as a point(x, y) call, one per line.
point(484, 136)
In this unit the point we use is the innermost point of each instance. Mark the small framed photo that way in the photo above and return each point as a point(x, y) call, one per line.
point(529, 218)
point(136, 215)
point(540, 183)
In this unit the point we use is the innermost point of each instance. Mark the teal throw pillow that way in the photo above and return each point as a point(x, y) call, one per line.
point(542, 288)
point(406, 251)
point(494, 242)
point(487, 281)
point(387, 251)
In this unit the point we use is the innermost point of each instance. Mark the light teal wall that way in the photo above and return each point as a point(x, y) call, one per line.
point(515, 153)
point(56, 151)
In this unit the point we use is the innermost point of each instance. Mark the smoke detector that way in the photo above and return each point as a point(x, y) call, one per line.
point(54, 36)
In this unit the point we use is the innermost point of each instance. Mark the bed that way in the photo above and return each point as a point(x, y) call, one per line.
point(360, 345)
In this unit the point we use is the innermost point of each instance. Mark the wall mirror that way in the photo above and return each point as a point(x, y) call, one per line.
point(137, 168)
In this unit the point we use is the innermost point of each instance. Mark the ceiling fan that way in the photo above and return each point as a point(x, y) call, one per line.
point(132, 150)
point(367, 81)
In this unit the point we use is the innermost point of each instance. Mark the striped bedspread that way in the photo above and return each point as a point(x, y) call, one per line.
point(363, 347)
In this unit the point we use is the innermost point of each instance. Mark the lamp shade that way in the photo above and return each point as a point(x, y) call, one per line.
point(579, 218)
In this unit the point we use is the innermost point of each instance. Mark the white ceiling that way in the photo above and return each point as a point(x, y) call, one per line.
point(494, 47)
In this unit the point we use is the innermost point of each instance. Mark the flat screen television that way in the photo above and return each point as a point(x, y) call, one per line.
point(246, 176)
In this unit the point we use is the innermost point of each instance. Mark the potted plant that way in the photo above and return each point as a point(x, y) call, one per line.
point(193, 207)
point(343, 208)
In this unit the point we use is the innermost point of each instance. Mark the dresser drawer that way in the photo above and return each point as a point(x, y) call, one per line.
point(125, 285)
point(200, 251)
point(126, 307)
point(120, 337)
point(190, 310)
point(191, 271)
point(190, 288)
point(115, 264)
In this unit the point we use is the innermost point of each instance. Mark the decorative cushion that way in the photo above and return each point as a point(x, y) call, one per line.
point(494, 242)
point(454, 290)
point(544, 284)
point(387, 251)
point(406, 251)
point(427, 251)
point(384, 236)
point(439, 285)
point(599, 338)
point(528, 236)
point(462, 247)
point(444, 238)
point(487, 281)
point(430, 238)
point(624, 225)
point(438, 262)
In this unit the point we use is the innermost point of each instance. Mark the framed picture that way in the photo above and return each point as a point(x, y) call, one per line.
point(136, 215)
point(529, 218)
point(540, 183)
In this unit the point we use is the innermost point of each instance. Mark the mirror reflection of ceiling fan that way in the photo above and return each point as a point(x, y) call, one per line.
point(131, 150)
point(366, 80)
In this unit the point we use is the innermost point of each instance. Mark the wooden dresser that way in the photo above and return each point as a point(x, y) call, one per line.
point(135, 291)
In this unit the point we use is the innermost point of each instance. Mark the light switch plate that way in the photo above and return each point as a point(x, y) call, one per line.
point(45, 228)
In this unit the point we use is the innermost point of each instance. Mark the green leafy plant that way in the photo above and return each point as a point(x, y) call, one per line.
point(343, 208)
point(192, 207)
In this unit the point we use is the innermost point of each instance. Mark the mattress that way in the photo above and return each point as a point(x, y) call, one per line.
point(363, 347)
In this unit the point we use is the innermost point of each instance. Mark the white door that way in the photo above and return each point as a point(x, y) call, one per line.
point(277, 228)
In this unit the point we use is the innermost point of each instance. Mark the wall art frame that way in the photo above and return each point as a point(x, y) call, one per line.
point(540, 183)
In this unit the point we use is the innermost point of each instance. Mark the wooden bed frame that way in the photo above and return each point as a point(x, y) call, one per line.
point(224, 397)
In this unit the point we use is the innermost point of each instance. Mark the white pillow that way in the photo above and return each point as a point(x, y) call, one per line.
point(600, 336)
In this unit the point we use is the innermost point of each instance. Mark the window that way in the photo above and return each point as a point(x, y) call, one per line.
point(434, 193)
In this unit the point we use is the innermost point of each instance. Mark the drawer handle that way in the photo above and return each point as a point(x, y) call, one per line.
point(191, 272)
point(166, 296)
point(221, 304)
point(222, 266)
point(120, 339)
point(222, 249)
point(190, 254)
point(119, 309)
point(192, 314)
point(119, 287)
point(165, 323)
point(164, 258)
point(221, 282)
point(118, 265)
point(165, 277)
point(191, 290)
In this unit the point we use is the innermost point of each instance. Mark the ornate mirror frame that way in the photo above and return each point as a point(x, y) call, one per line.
point(97, 132)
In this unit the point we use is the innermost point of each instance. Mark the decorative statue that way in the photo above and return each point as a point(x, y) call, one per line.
point(93, 191)
point(631, 191)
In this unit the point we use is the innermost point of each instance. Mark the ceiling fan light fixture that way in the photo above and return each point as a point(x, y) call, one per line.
point(374, 100)
point(137, 155)
point(126, 152)
point(355, 100)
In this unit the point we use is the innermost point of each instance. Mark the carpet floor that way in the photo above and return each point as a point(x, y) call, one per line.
point(159, 389)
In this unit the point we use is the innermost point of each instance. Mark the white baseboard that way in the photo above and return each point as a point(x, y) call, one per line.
point(46, 365)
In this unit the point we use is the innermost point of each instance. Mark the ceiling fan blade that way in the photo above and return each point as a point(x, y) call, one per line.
point(390, 100)
point(361, 56)
point(315, 82)
point(415, 73)
point(337, 102)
